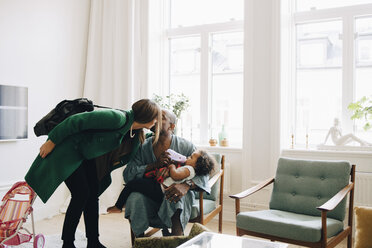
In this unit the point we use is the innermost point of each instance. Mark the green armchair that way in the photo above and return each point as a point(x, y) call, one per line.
point(307, 205)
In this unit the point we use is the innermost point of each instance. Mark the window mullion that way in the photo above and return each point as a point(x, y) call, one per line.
point(204, 82)
point(347, 70)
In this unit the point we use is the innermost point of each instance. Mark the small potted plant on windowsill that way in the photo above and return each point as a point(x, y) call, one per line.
point(362, 109)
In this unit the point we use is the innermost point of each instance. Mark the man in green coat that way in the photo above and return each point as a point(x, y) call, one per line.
point(82, 151)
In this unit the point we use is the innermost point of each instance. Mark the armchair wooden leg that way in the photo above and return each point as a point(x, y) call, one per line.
point(349, 240)
point(220, 222)
point(132, 237)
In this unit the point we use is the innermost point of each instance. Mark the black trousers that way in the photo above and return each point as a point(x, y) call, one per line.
point(147, 186)
point(83, 185)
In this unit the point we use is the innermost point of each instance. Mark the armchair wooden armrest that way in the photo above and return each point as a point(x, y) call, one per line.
point(211, 182)
point(331, 204)
point(215, 178)
point(248, 192)
point(336, 199)
point(203, 219)
point(253, 189)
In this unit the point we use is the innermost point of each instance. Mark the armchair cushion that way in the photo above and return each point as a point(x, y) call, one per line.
point(294, 189)
point(287, 225)
point(208, 206)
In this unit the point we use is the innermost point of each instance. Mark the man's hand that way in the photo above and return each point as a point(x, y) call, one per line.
point(176, 191)
point(46, 148)
point(163, 160)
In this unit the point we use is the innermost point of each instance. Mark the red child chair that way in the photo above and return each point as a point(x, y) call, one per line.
point(15, 207)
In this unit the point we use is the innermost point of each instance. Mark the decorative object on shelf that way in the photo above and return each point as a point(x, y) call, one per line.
point(176, 103)
point(340, 141)
point(224, 142)
point(292, 141)
point(362, 109)
point(222, 135)
point(212, 142)
point(307, 141)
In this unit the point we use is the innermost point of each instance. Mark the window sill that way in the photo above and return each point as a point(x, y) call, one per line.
point(221, 149)
point(313, 151)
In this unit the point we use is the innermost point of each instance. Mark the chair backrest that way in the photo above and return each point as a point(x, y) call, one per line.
point(302, 185)
point(216, 187)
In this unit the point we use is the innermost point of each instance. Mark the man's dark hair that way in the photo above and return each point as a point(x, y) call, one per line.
point(204, 164)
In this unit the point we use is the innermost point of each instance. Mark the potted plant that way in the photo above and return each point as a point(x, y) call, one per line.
point(362, 109)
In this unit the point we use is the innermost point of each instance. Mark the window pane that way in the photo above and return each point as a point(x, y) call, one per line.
point(305, 5)
point(196, 12)
point(185, 78)
point(227, 102)
point(318, 80)
point(227, 52)
point(363, 67)
point(364, 41)
point(189, 124)
point(318, 102)
point(319, 44)
point(185, 55)
point(227, 86)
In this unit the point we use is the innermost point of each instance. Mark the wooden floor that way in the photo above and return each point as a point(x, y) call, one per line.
point(114, 229)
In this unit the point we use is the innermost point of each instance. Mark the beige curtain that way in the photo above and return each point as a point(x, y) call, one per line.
point(109, 62)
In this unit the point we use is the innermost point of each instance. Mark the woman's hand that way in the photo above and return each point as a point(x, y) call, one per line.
point(46, 148)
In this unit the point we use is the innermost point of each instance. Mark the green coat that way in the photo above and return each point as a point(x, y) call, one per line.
point(82, 136)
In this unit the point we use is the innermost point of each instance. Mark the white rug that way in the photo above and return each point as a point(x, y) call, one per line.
point(54, 241)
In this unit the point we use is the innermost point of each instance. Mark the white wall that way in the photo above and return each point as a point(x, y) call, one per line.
point(43, 47)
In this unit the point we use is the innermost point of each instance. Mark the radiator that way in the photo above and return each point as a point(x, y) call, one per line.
point(363, 187)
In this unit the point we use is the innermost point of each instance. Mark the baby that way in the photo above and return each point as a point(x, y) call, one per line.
point(199, 163)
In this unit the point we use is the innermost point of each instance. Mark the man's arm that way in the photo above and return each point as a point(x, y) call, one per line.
point(162, 161)
point(136, 167)
point(143, 162)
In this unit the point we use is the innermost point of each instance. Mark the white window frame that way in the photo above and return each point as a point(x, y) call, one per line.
point(288, 61)
point(204, 32)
